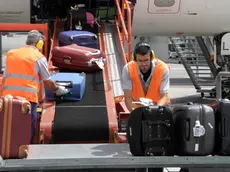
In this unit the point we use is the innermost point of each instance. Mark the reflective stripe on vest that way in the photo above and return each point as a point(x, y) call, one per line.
point(22, 80)
point(22, 76)
point(154, 87)
point(20, 88)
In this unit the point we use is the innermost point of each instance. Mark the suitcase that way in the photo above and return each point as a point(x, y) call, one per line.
point(78, 58)
point(81, 38)
point(75, 82)
point(194, 129)
point(15, 122)
point(222, 141)
point(150, 131)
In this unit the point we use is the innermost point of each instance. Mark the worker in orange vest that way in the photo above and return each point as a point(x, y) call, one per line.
point(145, 76)
point(26, 68)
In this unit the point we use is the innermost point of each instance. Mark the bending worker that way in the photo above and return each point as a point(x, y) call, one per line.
point(146, 76)
point(26, 68)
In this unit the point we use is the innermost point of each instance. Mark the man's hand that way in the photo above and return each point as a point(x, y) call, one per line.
point(164, 101)
point(61, 91)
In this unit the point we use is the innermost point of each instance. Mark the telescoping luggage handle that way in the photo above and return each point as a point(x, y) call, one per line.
point(148, 132)
point(219, 77)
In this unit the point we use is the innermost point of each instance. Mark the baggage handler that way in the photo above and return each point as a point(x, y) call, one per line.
point(145, 76)
point(26, 69)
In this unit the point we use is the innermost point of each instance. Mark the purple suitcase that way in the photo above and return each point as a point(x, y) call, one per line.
point(81, 38)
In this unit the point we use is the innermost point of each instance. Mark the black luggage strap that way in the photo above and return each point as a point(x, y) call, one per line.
point(155, 130)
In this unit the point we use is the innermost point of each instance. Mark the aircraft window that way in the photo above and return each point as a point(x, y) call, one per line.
point(10, 40)
point(164, 3)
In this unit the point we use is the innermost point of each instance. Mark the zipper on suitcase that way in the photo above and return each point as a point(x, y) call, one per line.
point(5, 125)
point(197, 130)
point(197, 143)
point(202, 139)
point(9, 127)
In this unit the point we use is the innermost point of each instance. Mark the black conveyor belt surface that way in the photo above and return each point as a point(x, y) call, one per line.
point(84, 120)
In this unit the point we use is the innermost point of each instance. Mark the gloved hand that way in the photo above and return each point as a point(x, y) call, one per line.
point(61, 91)
point(147, 102)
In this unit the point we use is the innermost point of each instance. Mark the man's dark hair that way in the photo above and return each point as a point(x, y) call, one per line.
point(142, 48)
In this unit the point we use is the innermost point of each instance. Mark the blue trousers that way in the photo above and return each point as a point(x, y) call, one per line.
point(33, 120)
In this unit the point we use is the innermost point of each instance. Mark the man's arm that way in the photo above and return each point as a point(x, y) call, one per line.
point(42, 70)
point(127, 87)
point(164, 89)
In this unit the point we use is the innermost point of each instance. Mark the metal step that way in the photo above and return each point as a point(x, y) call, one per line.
point(195, 59)
point(200, 64)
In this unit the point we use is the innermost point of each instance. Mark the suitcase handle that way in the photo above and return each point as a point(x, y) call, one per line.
point(95, 53)
point(67, 84)
point(223, 127)
point(187, 129)
point(67, 59)
point(82, 36)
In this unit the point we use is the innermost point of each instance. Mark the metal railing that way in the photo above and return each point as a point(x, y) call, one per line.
point(126, 31)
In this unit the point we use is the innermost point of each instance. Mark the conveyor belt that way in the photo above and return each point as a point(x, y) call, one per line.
point(88, 117)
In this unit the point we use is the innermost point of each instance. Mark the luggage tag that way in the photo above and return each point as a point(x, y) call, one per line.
point(198, 129)
point(100, 62)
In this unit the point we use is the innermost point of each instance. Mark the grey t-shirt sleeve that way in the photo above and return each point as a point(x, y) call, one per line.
point(4, 72)
point(125, 80)
point(165, 82)
point(41, 68)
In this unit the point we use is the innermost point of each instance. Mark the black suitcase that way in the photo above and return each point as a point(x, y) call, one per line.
point(190, 137)
point(150, 131)
point(222, 116)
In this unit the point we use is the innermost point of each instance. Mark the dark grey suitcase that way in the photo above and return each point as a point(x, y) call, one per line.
point(222, 115)
point(194, 126)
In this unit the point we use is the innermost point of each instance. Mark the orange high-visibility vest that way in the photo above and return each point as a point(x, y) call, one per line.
point(155, 83)
point(21, 79)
